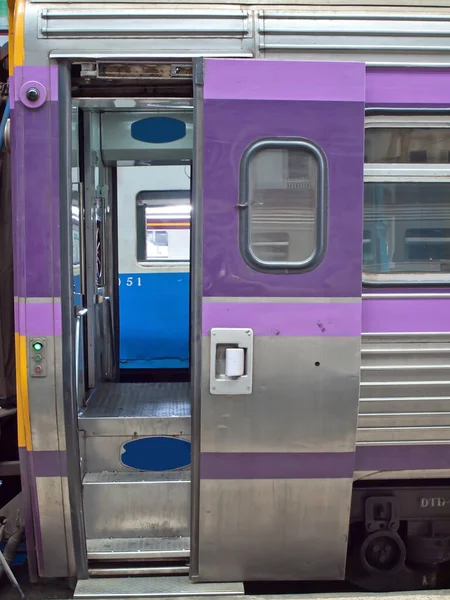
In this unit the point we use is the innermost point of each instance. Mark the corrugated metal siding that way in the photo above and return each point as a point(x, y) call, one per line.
point(405, 389)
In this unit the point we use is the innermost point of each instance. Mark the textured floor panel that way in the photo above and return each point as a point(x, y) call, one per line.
point(157, 400)
point(153, 587)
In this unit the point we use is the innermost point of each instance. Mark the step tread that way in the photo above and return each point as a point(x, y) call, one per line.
point(136, 477)
point(138, 548)
point(152, 587)
point(139, 400)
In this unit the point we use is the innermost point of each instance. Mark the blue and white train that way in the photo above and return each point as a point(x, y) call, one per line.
point(154, 245)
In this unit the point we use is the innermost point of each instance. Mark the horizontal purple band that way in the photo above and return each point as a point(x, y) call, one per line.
point(38, 318)
point(274, 465)
point(409, 315)
point(290, 80)
point(402, 457)
point(48, 463)
point(285, 319)
point(405, 87)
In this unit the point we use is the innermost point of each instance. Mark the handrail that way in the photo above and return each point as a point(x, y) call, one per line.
point(82, 312)
point(107, 299)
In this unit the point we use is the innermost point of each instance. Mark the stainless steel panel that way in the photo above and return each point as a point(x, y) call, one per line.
point(60, 23)
point(133, 504)
point(52, 525)
point(138, 548)
point(150, 587)
point(306, 31)
point(44, 420)
point(269, 529)
point(405, 388)
point(319, 410)
point(138, 571)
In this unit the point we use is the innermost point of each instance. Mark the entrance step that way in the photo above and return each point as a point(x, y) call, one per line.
point(120, 412)
point(153, 587)
point(136, 505)
point(131, 549)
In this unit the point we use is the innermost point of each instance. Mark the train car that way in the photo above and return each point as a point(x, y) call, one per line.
point(154, 247)
point(305, 148)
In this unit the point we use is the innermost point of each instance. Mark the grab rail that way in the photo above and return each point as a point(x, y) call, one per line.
point(82, 312)
point(107, 299)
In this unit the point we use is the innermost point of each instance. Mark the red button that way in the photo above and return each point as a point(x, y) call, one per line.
point(38, 369)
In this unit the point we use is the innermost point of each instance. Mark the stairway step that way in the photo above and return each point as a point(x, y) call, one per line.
point(152, 587)
point(137, 409)
point(138, 548)
point(134, 504)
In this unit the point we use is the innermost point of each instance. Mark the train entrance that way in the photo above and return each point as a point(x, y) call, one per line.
point(226, 214)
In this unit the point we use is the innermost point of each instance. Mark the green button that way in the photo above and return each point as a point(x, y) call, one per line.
point(38, 358)
point(37, 346)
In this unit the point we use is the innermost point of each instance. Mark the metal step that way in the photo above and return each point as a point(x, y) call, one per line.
point(125, 549)
point(136, 505)
point(153, 587)
point(119, 412)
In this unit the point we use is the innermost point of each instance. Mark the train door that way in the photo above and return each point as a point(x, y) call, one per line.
point(279, 305)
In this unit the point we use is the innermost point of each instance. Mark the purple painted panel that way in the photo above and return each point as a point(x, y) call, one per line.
point(402, 457)
point(408, 315)
point(273, 465)
point(239, 79)
point(46, 76)
point(408, 87)
point(36, 190)
point(38, 318)
point(230, 127)
point(49, 463)
point(285, 319)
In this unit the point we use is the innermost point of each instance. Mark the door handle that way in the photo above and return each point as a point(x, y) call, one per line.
point(231, 361)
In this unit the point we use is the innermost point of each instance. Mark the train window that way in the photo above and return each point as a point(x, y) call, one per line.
point(407, 200)
point(282, 202)
point(163, 225)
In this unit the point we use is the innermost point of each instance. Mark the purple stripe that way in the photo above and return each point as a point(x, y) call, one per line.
point(289, 80)
point(38, 318)
point(280, 319)
point(405, 87)
point(35, 160)
point(402, 457)
point(409, 315)
point(49, 463)
point(272, 465)
point(28, 513)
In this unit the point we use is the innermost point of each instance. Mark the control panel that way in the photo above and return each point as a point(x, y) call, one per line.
point(38, 358)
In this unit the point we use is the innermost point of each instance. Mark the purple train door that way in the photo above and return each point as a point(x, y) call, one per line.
point(282, 188)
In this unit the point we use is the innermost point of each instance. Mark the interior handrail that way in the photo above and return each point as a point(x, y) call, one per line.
point(80, 314)
point(107, 299)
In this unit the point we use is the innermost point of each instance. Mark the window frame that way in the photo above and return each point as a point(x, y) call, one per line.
point(406, 173)
point(321, 213)
point(141, 241)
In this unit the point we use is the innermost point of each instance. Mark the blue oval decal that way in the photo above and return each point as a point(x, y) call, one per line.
point(156, 454)
point(158, 130)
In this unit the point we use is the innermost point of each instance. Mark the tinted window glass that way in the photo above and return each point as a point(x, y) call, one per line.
point(407, 145)
point(283, 201)
point(408, 224)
